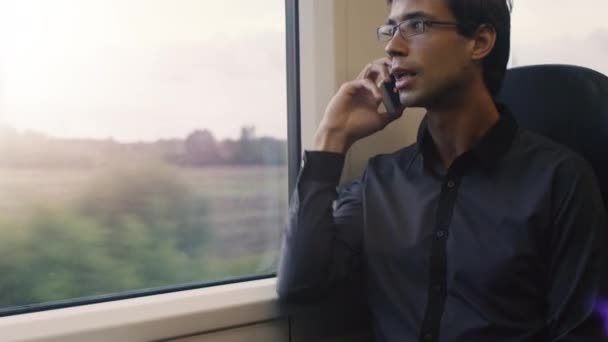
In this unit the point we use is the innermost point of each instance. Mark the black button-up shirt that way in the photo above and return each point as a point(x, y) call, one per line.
point(502, 246)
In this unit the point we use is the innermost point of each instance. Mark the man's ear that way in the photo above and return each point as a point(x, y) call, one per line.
point(484, 40)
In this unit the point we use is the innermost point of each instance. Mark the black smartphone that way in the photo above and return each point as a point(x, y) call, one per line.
point(390, 96)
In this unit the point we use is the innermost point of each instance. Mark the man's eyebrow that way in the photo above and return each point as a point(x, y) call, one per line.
point(412, 15)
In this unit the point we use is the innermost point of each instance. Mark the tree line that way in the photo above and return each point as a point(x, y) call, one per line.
point(199, 148)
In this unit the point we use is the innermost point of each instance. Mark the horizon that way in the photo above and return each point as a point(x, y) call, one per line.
point(4, 128)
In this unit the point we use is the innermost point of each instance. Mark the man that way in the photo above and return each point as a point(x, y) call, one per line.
point(481, 230)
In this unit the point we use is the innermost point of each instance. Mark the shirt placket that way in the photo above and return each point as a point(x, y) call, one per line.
point(437, 288)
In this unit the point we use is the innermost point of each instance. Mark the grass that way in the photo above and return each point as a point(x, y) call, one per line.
point(247, 205)
point(245, 213)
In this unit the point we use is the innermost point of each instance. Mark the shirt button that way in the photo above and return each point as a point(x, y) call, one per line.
point(441, 233)
point(428, 337)
point(451, 184)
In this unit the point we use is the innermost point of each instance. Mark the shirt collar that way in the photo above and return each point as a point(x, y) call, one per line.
point(488, 150)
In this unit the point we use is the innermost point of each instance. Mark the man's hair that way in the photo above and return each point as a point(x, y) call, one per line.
point(470, 15)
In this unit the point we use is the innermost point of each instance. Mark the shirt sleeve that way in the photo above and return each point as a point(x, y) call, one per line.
point(577, 255)
point(321, 246)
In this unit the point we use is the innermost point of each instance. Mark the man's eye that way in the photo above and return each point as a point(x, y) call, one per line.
point(386, 33)
point(387, 30)
point(416, 25)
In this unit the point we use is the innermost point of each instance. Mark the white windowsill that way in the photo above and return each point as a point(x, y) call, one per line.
point(149, 318)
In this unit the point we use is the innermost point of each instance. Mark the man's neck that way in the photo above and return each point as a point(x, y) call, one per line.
point(457, 127)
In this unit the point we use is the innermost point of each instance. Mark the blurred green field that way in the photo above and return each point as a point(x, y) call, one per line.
point(77, 233)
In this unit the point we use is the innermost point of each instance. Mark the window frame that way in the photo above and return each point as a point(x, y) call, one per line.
point(152, 318)
point(292, 45)
point(326, 60)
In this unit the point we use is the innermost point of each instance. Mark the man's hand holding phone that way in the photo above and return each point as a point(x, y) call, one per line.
point(353, 113)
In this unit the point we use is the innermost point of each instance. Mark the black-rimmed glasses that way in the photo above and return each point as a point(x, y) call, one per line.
point(409, 28)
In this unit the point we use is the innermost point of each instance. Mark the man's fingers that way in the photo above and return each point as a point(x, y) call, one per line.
point(376, 71)
point(370, 72)
point(388, 118)
point(372, 87)
point(384, 75)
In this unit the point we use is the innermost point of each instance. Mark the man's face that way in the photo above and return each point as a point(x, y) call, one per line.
point(438, 58)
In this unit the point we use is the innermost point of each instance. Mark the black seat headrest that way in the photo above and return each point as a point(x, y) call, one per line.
point(568, 104)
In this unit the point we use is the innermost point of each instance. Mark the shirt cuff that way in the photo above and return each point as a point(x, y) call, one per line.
point(322, 166)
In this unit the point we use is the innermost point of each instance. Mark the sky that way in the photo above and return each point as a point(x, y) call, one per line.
point(142, 69)
point(560, 31)
point(148, 69)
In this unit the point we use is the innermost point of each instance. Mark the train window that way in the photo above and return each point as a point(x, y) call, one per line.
point(562, 32)
point(143, 147)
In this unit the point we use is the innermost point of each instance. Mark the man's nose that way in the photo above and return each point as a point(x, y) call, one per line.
point(397, 46)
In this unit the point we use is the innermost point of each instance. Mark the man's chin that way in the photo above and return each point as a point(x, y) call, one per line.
point(410, 99)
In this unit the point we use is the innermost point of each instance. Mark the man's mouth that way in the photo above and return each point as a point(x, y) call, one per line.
point(404, 78)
